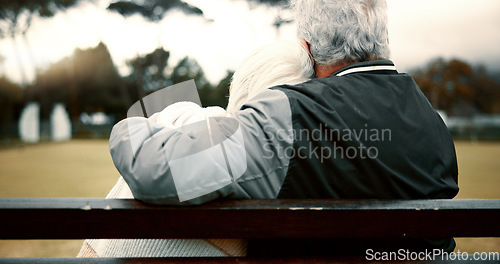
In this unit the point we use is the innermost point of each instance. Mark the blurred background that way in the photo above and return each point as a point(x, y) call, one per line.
point(69, 70)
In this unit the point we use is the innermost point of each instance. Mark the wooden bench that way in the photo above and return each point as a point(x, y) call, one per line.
point(80, 218)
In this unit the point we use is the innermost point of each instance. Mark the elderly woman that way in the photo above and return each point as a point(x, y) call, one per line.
point(271, 65)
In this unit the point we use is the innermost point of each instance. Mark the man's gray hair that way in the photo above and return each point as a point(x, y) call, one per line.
point(343, 31)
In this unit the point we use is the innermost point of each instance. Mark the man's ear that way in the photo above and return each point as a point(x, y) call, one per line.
point(306, 45)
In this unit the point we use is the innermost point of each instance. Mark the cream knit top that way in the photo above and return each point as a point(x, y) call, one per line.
point(162, 247)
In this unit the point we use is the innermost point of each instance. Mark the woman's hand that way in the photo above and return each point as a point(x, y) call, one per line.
point(154, 117)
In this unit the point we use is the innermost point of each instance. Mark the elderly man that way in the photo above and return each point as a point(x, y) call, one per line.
point(360, 129)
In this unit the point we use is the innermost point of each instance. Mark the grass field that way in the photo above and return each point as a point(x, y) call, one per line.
point(83, 168)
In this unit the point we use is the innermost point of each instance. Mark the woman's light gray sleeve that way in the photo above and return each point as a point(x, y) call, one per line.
point(241, 156)
point(157, 162)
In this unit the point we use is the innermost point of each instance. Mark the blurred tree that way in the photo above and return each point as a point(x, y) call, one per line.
point(149, 75)
point(486, 91)
point(458, 88)
point(2, 65)
point(95, 80)
point(218, 95)
point(280, 3)
point(187, 69)
point(158, 74)
point(153, 10)
point(16, 17)
point(279, 6)
point(151, 70)
point(11, 97)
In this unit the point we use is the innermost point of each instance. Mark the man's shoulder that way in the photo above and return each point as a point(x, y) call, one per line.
point(346, 84)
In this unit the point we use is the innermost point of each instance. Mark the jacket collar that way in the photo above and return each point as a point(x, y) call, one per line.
point(367, 66)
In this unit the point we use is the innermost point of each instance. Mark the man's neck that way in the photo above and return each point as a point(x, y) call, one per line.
point(325, 71)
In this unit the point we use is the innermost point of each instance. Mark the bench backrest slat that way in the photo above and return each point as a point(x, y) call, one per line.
point(80, 218)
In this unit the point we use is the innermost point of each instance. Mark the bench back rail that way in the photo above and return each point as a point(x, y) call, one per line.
point(81, 218)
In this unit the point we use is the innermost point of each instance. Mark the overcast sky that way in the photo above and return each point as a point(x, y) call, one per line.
point(420, 30)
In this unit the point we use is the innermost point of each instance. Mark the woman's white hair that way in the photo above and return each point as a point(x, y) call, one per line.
point(268, 66)
point(343, 30)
